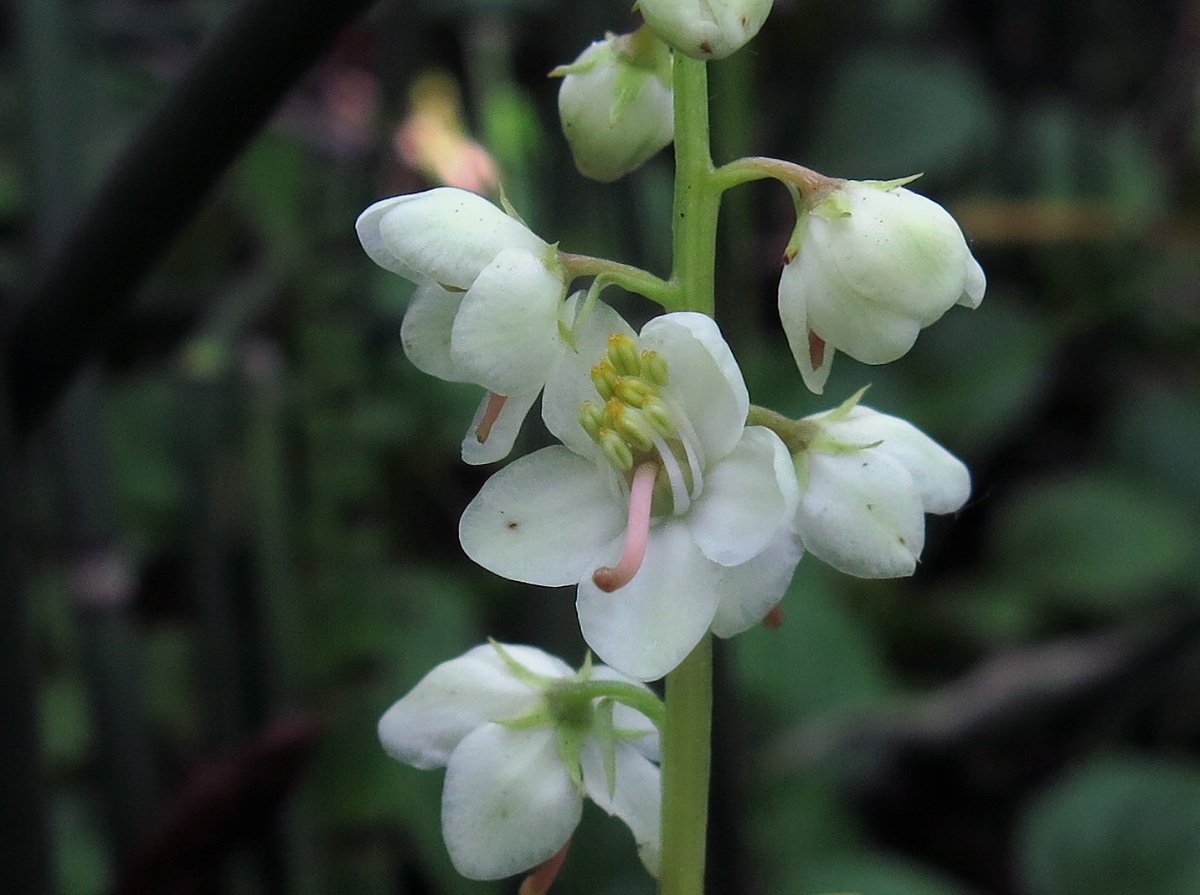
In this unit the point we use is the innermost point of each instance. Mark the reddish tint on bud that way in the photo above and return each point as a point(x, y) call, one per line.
point(540, 881)
point(773, 620)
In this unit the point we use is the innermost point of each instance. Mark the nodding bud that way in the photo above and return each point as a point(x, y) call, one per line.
point(703, 29)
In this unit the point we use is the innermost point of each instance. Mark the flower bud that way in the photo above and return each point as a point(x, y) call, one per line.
point(616, 104)
point(869, 265)
point(706, 29)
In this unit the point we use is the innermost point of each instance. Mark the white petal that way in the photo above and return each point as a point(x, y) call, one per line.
point(941, 479)
point(570, 383)
point(458, 696)
point(446, 235)
point(749, 496)
point(636, 797)
point(752, 589)
point(793, 313)
point(506, 332)
point(974, 287)
point(625, 718)
point(704, 378)
point(504, 430)
point(647, 627)
point(425, 332)
point(861, 514)
point(546, 518)
point(509, 803)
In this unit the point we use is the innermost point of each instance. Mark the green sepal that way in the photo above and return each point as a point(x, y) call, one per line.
point(842, 411)
point(889, 185)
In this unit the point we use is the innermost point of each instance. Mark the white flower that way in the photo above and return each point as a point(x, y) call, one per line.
point(489, 308)
point(869, 265)
point(669, 513)
point(524, 738)
point(867, 479)
point(706, 29)
point(616, 104)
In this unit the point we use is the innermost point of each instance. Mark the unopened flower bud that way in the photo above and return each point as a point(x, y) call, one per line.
point(873, 264)
point(706, 29)
point(616, 104)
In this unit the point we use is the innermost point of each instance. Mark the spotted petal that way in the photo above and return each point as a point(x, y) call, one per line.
point(543, 519)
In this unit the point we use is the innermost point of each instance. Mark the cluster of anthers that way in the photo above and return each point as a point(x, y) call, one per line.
point(645, 440)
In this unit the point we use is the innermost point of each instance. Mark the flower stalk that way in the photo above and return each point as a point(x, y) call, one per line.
point(687, 733)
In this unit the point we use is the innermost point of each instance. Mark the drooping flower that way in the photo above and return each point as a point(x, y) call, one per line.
point(869, 265)
point(670, 514)
point(489, 306)
point(616, 104)
point(524, 738)
point(706, 29)
point(866, 481)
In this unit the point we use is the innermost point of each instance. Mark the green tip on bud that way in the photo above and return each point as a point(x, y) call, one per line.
point(616, 450)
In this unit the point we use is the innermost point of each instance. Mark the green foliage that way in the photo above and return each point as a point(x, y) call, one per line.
point(1114, 826)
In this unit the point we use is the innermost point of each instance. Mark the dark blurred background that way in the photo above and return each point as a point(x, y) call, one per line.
point(230, 503)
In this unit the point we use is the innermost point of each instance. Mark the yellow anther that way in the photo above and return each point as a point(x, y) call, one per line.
point(604, 377)
point(658, 416)
point(632, 426)
point(654, 368)
point(623, 355)
point(634, 392)
point(613, 411)
point(616, 450)
point(591, 417)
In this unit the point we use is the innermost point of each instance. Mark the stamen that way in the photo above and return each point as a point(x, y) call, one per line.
point(637, 532)
point(540, 881)
point(495, 404)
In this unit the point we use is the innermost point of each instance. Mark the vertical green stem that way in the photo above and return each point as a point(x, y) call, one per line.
point(688, 727)
point(697, 197)
point(686, 749)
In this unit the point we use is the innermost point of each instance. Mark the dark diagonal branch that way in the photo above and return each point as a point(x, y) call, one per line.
point(156, 187)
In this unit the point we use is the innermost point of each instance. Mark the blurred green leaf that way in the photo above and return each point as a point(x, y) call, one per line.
point(1116, 826)
point(81, 852)
point(890, 115)
point(876, 874)
point(1095, 541)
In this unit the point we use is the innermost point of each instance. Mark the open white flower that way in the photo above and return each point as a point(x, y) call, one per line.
point(871, 264)
point(524, 738)
point(670, 513)
point(867, 479)
point(489, 308)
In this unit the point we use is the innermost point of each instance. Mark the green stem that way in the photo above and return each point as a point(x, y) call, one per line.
point(637, 698)
point(685, 766)
point(634, 279)
point(744, 170)
point(697, 194)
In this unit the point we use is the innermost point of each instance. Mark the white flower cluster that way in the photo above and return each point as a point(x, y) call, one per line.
point(672, 505)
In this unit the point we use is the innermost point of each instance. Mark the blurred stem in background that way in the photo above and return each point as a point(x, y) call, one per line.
point(99, 575)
